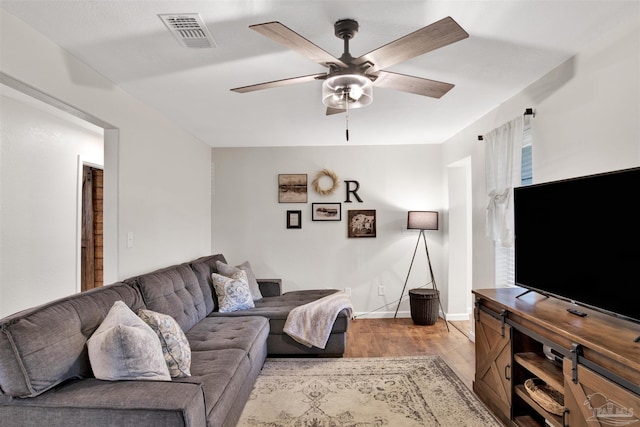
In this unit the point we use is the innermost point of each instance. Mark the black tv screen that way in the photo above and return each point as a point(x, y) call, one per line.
point(579, 240)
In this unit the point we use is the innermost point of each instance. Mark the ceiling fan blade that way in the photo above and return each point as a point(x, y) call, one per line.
point(279, 83)
point(431, 37)
point(332, 111)
point(294, 41)
point(411, 84)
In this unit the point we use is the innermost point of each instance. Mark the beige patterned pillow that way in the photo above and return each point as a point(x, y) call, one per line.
point(233, 292)
point(228, 270)
point(175, 347)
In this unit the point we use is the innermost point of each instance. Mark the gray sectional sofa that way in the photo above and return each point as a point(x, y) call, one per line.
point(45, 372)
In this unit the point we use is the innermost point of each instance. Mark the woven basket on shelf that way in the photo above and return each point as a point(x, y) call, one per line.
point(547, 397)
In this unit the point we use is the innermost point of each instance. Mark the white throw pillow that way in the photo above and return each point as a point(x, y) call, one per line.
point(175, 346)
point(125, 348)
point(228, 270)
point(233, 292)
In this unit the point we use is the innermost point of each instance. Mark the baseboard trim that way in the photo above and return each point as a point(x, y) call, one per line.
point(405, 314)
point(381, 315)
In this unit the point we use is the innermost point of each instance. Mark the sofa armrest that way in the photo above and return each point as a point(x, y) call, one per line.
point(90, 401)
point(270, 287)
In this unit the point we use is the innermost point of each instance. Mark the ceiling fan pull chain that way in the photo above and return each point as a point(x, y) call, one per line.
point(347, 117)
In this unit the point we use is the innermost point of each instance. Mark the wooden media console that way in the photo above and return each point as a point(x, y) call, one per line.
point(593, 362)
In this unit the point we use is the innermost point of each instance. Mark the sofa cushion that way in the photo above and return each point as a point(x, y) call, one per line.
point(247, 333)
point(223, 374)
point(174, 291)
point(233, 292)
point(124, 347)
point(228, 270)
point(203, 267)
point(57, 331)
point(175, 347)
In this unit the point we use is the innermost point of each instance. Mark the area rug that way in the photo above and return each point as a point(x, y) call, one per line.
point(362, 392)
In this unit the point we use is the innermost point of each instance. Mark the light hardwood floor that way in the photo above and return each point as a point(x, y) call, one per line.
point(401, 337)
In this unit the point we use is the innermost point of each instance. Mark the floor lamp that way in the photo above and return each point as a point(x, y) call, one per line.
point(422, 220)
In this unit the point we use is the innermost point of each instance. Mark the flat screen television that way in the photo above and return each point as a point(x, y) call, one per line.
point(579, 240)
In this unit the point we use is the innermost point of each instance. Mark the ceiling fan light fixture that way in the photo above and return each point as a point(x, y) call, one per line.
point(354, 90)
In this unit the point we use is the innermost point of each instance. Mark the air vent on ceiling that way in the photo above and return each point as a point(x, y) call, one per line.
point(189, 30)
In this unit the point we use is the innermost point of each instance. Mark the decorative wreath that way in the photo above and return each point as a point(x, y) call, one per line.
point(327, 173)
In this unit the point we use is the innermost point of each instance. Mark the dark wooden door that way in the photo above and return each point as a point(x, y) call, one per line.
point(92, 228)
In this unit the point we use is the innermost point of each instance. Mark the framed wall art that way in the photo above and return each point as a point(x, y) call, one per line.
point(292, 188)
point(294, 219)
point(361, 223)
point(326, 212)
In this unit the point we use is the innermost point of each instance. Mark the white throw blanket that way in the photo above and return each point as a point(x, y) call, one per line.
point(310, 324)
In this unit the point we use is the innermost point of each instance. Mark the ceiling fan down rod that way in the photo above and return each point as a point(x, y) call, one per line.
point(346, 29)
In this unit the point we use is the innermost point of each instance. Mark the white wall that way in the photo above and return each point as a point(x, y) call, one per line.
point(249, 223)
point(587, 121)
point(38, 199)
point(163, 173)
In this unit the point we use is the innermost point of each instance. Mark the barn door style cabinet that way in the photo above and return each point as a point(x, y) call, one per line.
point(493, 362)
point(586, 370)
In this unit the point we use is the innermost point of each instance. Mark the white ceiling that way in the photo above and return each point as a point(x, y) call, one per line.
point(511, 44)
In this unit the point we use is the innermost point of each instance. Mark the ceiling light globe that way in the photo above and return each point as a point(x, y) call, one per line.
point(354, 89)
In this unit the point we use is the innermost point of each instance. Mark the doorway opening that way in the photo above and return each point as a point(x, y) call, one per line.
point(92, 241)
point(67, 278)
point(460, 239)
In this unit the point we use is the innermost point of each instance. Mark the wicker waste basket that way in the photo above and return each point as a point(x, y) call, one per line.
point(424, 306)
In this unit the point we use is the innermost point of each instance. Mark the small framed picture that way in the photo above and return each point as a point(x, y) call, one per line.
point(294, 219)
point(326, 212)
point(362, 223)
point(292, 188)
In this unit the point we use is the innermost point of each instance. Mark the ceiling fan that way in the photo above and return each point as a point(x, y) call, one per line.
point(349, 82)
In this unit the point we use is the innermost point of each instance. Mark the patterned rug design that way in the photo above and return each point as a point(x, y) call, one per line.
point(362, 392)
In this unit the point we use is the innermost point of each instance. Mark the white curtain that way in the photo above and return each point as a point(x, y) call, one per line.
point(503, 157)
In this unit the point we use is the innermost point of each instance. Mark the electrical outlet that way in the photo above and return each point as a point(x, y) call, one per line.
point(347, 291)
point(381, 290)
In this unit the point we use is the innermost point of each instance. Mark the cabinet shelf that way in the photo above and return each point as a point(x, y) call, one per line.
point(553, 419)
point(542, 368)
point(526, 421)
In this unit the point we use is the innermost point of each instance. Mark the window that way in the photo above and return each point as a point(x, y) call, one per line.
point(527, 172)
point(505, 257)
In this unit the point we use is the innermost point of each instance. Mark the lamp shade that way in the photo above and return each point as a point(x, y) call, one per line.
point(343, 89)
point(422, 220)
